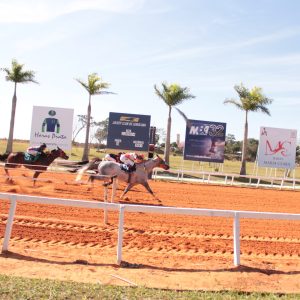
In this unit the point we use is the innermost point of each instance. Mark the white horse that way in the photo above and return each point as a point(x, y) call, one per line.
point(113, 169)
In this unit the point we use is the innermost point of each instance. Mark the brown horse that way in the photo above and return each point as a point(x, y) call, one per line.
point(17, 159)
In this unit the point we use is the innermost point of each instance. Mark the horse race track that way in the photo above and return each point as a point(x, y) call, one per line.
point(164, 251)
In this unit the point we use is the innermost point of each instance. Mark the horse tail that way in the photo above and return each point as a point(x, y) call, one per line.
point(92, 165)
point(4, 156)
point(77, 165)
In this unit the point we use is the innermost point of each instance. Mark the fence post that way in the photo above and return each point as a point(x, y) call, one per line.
point(236, 239)
point(114, 188)
point(105, 201)
point(120, 234)
point(9, 223)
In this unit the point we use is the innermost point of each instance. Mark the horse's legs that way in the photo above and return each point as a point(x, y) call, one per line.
point(91, 182)
point(128, 187)
point(6, 167)
point(35, 176)
point(148, 188)
point(7, 174)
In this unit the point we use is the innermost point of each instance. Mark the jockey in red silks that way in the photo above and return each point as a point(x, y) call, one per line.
point(129, 160)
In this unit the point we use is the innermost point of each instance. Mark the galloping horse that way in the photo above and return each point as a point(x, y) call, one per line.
point(17, 159)
point(113, 169)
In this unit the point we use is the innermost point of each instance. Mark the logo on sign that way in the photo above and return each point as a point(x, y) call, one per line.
point(206, 129)
point(129, 119)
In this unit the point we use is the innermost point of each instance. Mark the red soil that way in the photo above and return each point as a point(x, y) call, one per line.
point(165, 251)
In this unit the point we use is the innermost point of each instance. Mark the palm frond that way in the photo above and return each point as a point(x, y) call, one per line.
point(94, 85)
point(17, 74)
point(187, 121)
point(173, 94)
point(234, 102)
point(263, 109)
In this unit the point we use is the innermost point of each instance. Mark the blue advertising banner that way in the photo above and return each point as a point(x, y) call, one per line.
point(205, 141)
point(128, 131)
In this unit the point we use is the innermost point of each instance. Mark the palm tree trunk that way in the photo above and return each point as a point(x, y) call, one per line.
point(9, 147)
point(168, 138)
point(244, 150)
point(85, 155)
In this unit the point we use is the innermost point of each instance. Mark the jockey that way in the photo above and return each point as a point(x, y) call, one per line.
point(129, 160)
point(37, 151)
point(113, 157)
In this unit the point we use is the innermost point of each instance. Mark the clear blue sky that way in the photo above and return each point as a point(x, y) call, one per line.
point(208, 46)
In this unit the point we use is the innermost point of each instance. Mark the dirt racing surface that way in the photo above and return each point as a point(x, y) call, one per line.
point(163, 251)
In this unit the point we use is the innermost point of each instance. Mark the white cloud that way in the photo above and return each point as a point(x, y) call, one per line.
point(202, 51)
point(35, 11)
point(287, 101)
point(282, 60)
point(29, 44)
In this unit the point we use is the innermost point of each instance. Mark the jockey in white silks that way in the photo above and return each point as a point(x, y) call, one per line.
point(129, 160)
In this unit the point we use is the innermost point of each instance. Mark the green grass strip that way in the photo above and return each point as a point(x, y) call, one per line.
point(25, 288)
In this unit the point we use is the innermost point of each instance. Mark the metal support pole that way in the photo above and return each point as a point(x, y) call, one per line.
point(120, 234)
point(9, 224)
point(236, 239)
point(114, 188)
point(105, 201)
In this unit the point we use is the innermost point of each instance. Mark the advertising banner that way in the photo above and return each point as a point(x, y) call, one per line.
point(128, 131)
point(52, 126)
point(205, 141)
point(277, 148)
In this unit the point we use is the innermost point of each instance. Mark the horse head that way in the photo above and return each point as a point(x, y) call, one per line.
point(59, 153)
point(161, 163)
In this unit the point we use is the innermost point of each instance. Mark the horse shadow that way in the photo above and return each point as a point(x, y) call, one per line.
point(237, 269)
point(124, 264)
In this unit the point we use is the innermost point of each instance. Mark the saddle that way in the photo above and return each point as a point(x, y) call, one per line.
point(31, 158)
point(127, 169)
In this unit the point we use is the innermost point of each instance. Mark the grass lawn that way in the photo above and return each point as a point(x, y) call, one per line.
point(25, 288)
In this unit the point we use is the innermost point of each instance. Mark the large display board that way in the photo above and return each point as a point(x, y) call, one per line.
point(53, 126)
point(128, 131)
point(277, 148)
point(205, 141)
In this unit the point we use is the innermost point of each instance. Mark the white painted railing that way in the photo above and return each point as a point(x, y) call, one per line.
point(122, 208)
point(227, 178)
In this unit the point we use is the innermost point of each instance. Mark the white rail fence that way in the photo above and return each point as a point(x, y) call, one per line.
point(227, 178)
point(122, 208)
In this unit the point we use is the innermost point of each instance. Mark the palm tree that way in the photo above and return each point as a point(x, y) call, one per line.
point(172, 95)
point(94, 86)
point(17, 75)
point(253, 100)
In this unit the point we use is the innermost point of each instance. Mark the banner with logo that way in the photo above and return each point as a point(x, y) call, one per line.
point(52, 126)
point(128, 131)
point(277, 148)
point(205, 141)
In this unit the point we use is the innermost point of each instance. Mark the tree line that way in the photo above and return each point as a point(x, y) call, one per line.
point(171, 94)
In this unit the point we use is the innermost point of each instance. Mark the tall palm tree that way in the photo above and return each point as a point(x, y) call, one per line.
point(94, 86)
point(172, 95)
point(253, 100)
point(17, 75)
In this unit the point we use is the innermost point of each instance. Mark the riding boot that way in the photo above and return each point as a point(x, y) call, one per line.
point(131, 168)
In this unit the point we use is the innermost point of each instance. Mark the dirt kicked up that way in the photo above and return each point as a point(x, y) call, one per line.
point(163, 251)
